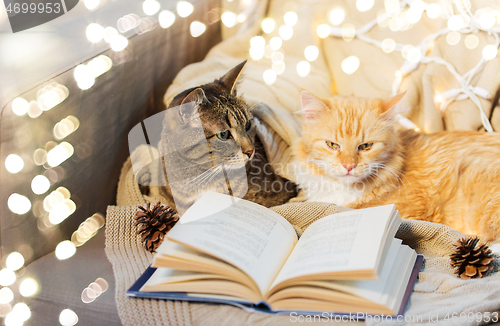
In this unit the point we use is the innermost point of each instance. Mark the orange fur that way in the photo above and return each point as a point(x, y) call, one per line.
point(451, 178)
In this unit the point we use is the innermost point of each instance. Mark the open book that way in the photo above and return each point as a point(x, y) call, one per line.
point(234, 251)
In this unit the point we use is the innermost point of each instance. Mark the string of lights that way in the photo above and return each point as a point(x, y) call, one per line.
point(460, 19)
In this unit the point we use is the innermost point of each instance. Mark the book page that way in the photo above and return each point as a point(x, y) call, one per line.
point(372, 289)
point(347, 241)
point(247, 235)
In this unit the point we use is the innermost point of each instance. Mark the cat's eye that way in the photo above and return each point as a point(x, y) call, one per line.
point(365, 146)
point(223, 135)
point(332, 145)
point(248, 125)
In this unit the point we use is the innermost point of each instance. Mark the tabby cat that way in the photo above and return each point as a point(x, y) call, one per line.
point(228, 157)
point(351, 154)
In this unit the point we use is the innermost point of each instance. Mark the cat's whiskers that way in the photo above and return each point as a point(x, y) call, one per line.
point(254, 106)
point(190, 166)
point(200, 179)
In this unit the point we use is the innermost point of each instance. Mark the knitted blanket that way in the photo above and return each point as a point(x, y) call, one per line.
point(439, 296)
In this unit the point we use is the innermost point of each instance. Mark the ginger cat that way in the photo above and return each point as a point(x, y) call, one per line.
point(352, 155)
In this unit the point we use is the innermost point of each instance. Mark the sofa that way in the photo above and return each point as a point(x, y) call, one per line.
point(42, 59)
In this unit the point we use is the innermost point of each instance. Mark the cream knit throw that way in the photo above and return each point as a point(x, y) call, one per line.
point(438, 291)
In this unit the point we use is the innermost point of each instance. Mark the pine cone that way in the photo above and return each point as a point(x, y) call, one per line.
point(471, 259)
point(154, 224)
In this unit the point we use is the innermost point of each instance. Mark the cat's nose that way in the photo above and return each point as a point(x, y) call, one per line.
point(250, 152)
point(349, 167)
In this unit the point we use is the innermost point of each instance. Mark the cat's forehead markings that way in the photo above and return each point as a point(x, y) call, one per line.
point(233, 120)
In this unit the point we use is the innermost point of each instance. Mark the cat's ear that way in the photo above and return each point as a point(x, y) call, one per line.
point(230, 79)
point(312, 106)
point(195, 97)
point(390, 109)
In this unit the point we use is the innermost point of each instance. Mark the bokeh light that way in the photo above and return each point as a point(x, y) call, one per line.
point(433, 10)
point(276, 43)
point(336, 16)
point(303, 68)
point(65, 249)
point(51, 95)
point(487, 19)
point(290, 18)
point(99, 65)
point(269, 76)
point(277, 57)
point(471, 41)
point(62, 211)
point(388, 45)
point(184, 8)
point(311, 53)
point(91, 4)
point(18, 204)
point(109, 33)
point(34, 111)
point(84, 77)
point(22, 311)
point(229, 19)
point(59, 154)
point(166, 18)
point(94, 32)
point(350, 64)
point(348, 32)
point(5, 309)
point(118, 43)
point(102, 283)
point(241, 18)
point(151, 7)
point(14, 163)
point(392, 7)
point(7, 277)
point(197, 28)
point(127, 23)
point(65, 127)
point(489, 52)
point(68, 317)
point(256, 53)
point(268, 25)
point(286, 32)
point(279, 67)
point(455, 23)
point(438, 98)
point(453, 38)
point(257, 41)
point(6, 295)
point(14, 261)
point(20, 106)
point(40, 184)
point(40, 156)
point(364, 5)
point(87, 229)
point(28, 287)
point(414, 55)
point(323, 30)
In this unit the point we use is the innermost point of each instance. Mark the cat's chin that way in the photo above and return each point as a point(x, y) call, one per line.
point(348, 178)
